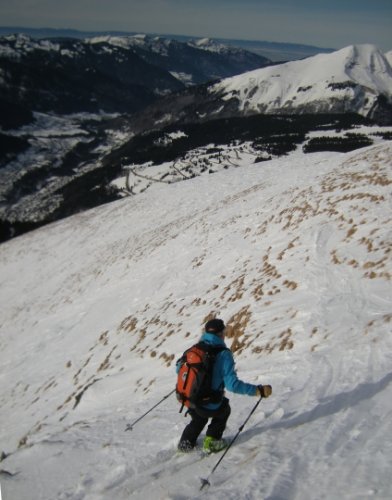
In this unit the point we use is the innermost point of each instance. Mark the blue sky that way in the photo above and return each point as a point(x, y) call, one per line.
point(329, 23)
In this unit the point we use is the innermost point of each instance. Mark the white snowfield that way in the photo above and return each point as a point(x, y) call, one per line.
point(388, 56)
point(294, 254)
point(348, 79)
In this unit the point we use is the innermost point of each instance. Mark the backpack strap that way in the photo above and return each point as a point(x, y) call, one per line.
point(211, 348)
point(213, 351)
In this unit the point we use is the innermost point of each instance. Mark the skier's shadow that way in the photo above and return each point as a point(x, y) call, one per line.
point(327, 406)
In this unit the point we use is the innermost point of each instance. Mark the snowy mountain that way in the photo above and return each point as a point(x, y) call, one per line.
point(60, 106)
point(356, 79)
point(192, 62)
point(67, 76)
point(111, 74)
point(353, 79)
point(55, 166)
point(294, 254)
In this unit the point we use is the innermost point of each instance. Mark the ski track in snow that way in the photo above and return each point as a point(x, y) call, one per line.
point(293, 254)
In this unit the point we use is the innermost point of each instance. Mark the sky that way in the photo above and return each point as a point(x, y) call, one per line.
point(332, 23)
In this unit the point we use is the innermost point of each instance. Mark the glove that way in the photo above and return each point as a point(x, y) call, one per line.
point(264, 391)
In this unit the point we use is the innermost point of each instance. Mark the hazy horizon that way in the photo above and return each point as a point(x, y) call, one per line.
point(332, 25)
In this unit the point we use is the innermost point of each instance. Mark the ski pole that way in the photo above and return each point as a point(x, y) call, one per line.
point(129, 427)
point(205, 482)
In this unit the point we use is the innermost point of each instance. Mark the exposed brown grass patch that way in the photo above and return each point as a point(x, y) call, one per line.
point(106, 362)
point(236, 327)
point(167, 358)
point(351, 232)
point(292, 285)
point(128, 324)
point(335, 258)
point(103, 339)
point(76, 376)
point(198, 261)
point(270, 270)
point(286, 343)
point(258, 292)
point(361, 196)
point(235, 290)
point(289, 247)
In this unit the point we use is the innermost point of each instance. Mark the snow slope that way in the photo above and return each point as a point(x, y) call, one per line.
point(388, 56)
point(348, 79)
point(293, 254)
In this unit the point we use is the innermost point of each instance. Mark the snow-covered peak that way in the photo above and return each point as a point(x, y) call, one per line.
point(127, 40)
point(14, 46)
point(356, 74)
point(211, 45)
point(118, 41)
point(203, 42)
point(207, 44)
point(158, 45)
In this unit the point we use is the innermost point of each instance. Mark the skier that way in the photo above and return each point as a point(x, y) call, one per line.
point(223, 376)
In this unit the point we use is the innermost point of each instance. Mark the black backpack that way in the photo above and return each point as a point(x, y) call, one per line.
point(195, 376)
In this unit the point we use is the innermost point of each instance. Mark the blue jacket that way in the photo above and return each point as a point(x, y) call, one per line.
point(224, 374)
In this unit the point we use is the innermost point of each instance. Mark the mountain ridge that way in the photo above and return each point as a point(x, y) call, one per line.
point(193, 62)
point(276, 51)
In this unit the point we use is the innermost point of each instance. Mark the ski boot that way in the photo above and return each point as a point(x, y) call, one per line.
point(185, 446)
point(212, 445)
